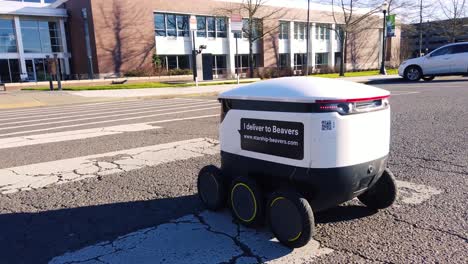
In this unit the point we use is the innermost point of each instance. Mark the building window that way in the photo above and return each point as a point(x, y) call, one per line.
point(183, 26)
point(299, 61)
point(284, 30)
point(7, 36)
point(219, 65)
point(172, 62)
point(284, 61)
point(256, 28)
point(221, 29)
point(321, 58)
point(299, 30)
point(211, 27)
point(242, 62)
point(170, 25)
point(339, 32)
point(41, 36)
point(9, 71)
point(322, 31)
point(160, 24)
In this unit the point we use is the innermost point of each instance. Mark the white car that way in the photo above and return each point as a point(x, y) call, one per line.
point(450, 59)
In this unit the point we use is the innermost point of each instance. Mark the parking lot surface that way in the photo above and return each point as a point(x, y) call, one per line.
point(115, 182)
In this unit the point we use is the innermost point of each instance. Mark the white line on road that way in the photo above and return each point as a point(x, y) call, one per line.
point(14, 142)
point(163, 109)
point(40, 175)
point(404, 93)
point(56, 112)
point(203, 238)
point(103, 113)
point(107, 121)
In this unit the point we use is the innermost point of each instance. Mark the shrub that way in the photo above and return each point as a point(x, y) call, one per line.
point(180, 72)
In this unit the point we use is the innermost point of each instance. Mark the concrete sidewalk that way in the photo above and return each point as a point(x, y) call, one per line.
point(23, 99)
point(20, 99)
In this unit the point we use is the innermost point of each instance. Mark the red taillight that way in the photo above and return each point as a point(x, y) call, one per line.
point(353, 106)
point(356, 100)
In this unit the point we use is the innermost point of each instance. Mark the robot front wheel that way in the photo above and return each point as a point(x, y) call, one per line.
point(382, 194)
point(289, 214)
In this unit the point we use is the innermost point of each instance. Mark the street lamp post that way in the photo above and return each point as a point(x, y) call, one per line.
point(307, 39)
point(384, 37)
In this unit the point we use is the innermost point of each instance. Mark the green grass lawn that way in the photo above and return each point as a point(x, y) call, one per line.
point(141, 85)
point(356, 74)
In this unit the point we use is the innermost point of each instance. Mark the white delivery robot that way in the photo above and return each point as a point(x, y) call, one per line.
point(298, 145)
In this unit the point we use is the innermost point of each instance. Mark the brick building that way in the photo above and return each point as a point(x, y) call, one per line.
point(126, 35)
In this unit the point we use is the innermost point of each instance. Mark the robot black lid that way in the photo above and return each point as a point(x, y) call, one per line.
point(303, 89)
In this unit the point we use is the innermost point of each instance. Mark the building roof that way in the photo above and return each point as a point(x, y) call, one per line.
point(303, 89)
point(32, 9)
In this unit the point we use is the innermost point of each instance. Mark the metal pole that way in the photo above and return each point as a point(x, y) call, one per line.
point(420, 27)
point(237, 60)
point(194, 59)
point(84, 13)
point(384, 40)
point(57, 66)
point(307, 40)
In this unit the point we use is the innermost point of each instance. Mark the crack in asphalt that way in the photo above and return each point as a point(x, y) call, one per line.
point(246, 251)
point(434, 229)
point(95, 168)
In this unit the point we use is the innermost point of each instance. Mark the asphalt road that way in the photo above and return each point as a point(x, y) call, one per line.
point(116, 183)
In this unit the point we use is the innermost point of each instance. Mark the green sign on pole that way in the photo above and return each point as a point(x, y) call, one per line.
point(390, 26)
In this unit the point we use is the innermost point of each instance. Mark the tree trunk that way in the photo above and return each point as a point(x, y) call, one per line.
point(343, 54)
point(251, 59)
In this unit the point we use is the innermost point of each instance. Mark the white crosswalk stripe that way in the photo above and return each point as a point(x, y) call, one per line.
point(113, 113)
point(88, 110)
point(13, 142)
point(111, 121)
point(62, 171)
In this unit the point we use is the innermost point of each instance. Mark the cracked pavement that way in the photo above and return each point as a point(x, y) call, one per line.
point(40, 175)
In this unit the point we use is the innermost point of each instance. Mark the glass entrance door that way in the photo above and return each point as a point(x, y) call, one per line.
point(30, 69)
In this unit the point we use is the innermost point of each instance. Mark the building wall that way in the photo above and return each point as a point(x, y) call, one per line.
point(124, 36)
point(77, 37)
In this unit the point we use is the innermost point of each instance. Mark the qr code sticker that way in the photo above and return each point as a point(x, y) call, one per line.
point(327, 125)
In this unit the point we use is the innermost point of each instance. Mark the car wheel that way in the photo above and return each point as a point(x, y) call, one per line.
point(413, 73)
point(428, 78)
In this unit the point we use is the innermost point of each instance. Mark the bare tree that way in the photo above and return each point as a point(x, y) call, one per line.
point(453, 11)
point(350, 21)
point(123, 28)
point(261, 20)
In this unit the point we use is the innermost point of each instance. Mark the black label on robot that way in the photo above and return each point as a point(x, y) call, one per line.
point(278, 138)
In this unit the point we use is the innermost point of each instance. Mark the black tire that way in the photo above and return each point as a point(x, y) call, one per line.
point(212, 188)
point(413, 73)
point(383, 194)
point(428, 78)
point(247, 202)
point(291, 218)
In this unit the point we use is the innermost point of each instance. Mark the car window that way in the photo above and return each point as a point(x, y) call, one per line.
point(440, 52)
point(459, 49)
